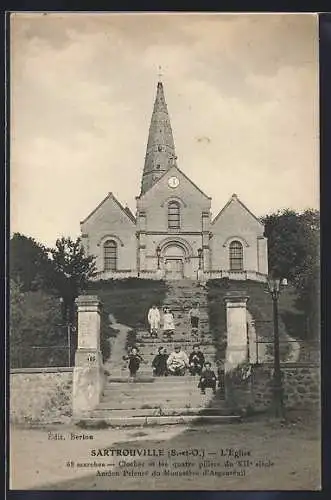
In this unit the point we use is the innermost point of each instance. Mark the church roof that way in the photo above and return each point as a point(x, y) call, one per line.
point(125, 210)
point(160, 151)
point(184, 175)
point(233, 198)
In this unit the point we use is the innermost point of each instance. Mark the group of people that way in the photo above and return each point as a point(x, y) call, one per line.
point(177, 363)
point(168, 321)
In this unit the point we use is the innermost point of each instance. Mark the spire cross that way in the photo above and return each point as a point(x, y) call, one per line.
point(160, 74)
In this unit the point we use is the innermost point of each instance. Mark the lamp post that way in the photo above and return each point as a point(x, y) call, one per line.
point(158, 254)
point(200, 258)
point(274, 290)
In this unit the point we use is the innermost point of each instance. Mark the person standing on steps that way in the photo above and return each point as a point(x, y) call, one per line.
point(194, 316)
point(207, 379)
point(168, 323)
point(135, 360)
point(154, 319)
point(159, 363)
point(196, 360)
point(177, 362)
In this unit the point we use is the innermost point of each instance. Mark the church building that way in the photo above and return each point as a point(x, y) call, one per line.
point(173, 235)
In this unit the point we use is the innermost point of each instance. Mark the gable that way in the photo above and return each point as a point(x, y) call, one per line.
point(109, 212)
point(237, 216)
point(185, 189)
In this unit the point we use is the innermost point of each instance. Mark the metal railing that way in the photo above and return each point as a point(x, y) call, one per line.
point(26, 355)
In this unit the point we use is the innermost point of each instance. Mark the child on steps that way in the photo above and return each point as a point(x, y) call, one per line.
point(207, 379)
point(159, 363)
point(154, 320)
point(168, 323)
point(194, 316)
point(196, 360)
point(134, 359)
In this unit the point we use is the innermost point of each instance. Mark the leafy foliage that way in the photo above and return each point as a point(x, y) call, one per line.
point(293, 244)
point(72, 270)
point(36, 338)
point(29, 263)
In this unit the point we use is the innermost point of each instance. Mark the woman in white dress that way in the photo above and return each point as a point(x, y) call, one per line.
point(168, 323)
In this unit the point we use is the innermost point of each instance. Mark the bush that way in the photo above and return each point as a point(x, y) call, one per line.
point(36, 336)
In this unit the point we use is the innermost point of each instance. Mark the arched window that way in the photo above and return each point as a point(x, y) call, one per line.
point(236, 256)
point(110, 255)
point(173, 215)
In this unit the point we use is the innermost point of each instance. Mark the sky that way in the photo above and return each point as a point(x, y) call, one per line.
point(242, 95)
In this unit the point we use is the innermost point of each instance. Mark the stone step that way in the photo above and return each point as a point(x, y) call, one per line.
point(184, 341)
point(156, 381)
point(187, 337)
point(148, 404)
point(136, 404)
point(149, 391)
point(188, 348)
point(147, 412)
point(145, 376)
point(157, 391)
point(138, 421)
point(150, 347)
point(122, 377)
point(148, 358)
point(206, 342)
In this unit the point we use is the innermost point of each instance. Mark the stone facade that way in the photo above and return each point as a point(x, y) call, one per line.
point(40, 395)
point(301, 384)
point(172, 234)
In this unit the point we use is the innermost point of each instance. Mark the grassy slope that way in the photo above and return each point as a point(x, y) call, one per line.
point(129, 299)
point(259, 305)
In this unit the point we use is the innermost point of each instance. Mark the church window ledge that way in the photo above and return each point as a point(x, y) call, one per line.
point(109, 236)
point(173, 199)
point(230, 239)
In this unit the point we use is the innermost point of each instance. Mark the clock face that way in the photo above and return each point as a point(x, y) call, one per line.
point(173, 182)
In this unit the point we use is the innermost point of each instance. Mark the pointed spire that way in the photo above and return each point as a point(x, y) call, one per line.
point(160, 152)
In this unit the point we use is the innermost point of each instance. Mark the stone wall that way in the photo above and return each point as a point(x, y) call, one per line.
point(40, 395)
point(301, 383)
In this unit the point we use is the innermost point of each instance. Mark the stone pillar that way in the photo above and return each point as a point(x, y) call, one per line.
point(236, 321)
point(88, 379)
point(237, 383)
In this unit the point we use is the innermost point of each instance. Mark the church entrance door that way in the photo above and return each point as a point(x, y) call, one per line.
point(174, 258)
point(174, 268)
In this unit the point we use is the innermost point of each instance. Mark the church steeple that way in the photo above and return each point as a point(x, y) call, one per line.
point(160, 152)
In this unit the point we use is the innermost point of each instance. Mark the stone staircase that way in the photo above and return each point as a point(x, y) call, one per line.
point(156, 400)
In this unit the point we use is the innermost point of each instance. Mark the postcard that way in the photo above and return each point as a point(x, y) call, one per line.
point(164, 251)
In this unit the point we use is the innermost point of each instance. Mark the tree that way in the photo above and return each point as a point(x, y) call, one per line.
point(293, 253)
point(16, 307)
point(72, 269)
point(29, 263)
point(35, 333)
point(286, 247)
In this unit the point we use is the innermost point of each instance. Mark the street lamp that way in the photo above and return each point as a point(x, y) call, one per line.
point(274, 288)
point(158, 254)
point(200, 258)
